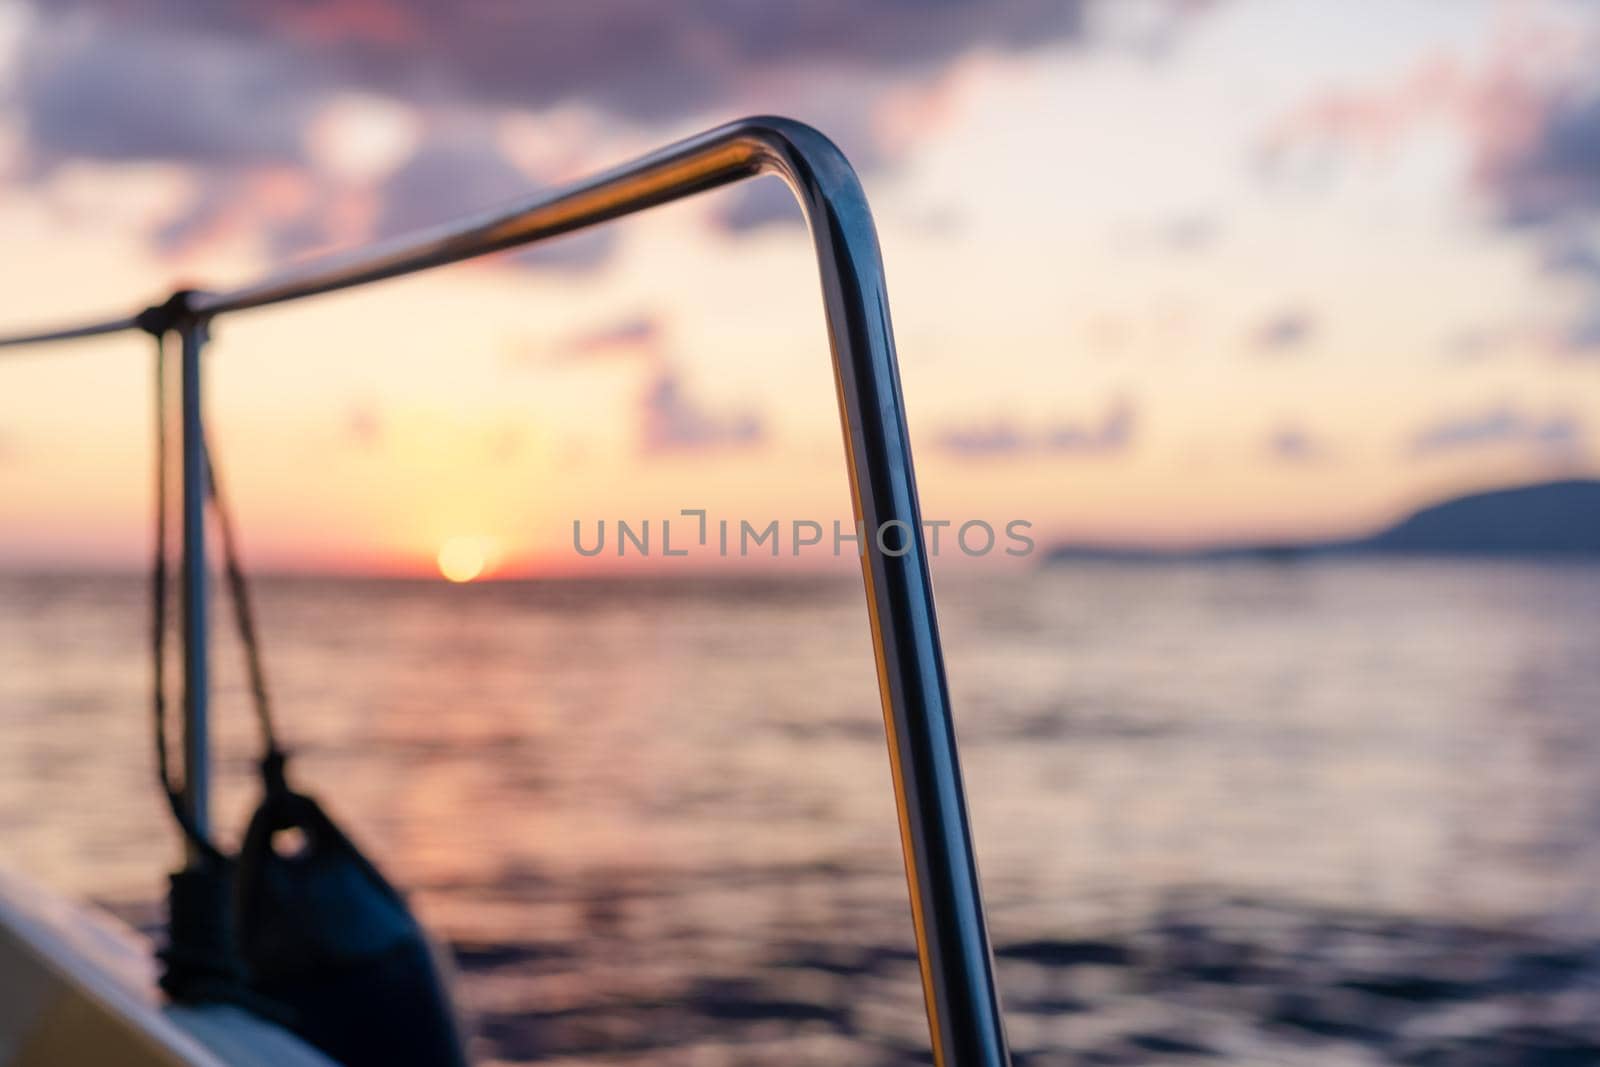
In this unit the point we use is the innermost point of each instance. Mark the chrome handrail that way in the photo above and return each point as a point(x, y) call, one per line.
point(953, 949)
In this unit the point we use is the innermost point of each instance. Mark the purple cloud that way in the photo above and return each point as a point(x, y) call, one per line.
point(755, 205)
point(1558, 435)
point(1582, 337)
point(1112, 433)
point(1189, 233)
point(171, 79)
point(1569, 257)
point(1553, 172)
point(635, 334)
point(90, 88)
point(458, 170)
point(998, 438)
point(1284, 331)
point(231, 87)
point(1479, 342)
point(1548, 184)
point(672, 421)
point(1293, 444)
point(1529, 110)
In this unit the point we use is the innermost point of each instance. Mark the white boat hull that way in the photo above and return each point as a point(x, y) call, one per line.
point(78, 989)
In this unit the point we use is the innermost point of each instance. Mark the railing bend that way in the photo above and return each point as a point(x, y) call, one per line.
point(952, 938)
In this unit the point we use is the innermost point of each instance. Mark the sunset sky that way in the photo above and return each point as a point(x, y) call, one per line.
point(1160, 272)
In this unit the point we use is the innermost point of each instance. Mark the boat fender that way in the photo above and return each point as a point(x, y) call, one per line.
point(323, 933)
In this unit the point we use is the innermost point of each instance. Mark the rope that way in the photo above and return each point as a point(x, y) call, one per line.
point(243, 615)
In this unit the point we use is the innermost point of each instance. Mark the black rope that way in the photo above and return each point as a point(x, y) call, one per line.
point(243, 615)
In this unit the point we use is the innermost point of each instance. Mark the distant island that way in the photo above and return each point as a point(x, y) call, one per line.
point(1548, 519)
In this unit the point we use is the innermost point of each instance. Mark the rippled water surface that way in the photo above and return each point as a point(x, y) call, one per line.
point(1321, 813)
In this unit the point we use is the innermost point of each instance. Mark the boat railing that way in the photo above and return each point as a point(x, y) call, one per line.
point(952, 939)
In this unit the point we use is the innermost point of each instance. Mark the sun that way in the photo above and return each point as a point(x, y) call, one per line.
point(461, 559)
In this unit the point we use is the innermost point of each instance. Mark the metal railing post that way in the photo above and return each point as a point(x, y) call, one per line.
point(964, 1017)
point(196, 692)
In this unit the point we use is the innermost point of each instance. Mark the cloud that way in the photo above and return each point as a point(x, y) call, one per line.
point(1558, 435)
point(1112, 433)
point(1547, 183)
point(1527, 108)
point(90, 90)
point(455, 169)
point(285, 207)
point(1553, 171)
point(203, 82)
point(1476, 343)
point(1189, 233)
point(230, 89)
point(635, 334)
point(1569, 258)
point(459, 170)
point(754, 205)
point(672, 421)
point(1582, 336)
point(1284, 331)
point(1293, 444)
